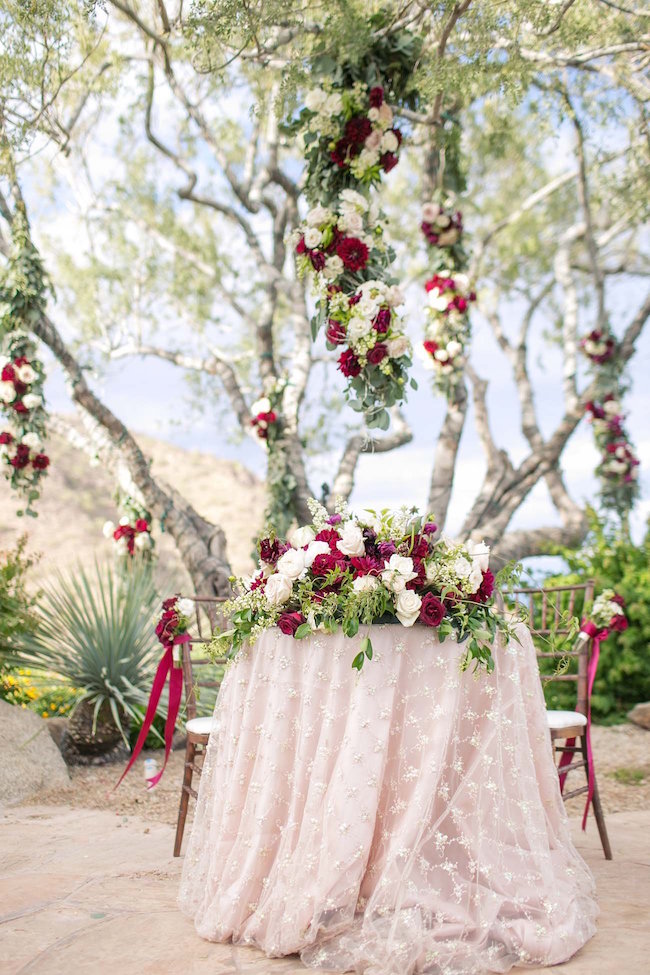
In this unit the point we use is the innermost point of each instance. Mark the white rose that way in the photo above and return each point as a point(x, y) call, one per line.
point(333, 267)
point(31, 401)
point(32, 441)
point(351, 541)
point(462, 282)
point(278, 589)
point(302, 536)
point(185, 606)
point(462, 567)
point(445, 370)
point(366, 159)
point(407, 607)
point(333, 104)
point(480, 554)
point(124, 520)
point(314, 549)
point(441, 355)
point(398, 571)
point(368, 307)
point(385, 116)
point(431, 570)
point(389, 142)
point(612, 407)
point(375, 140)
point(262, 405)
point(315, 98)
point(365, 583)
point(437, 301)
point(620, 452)
point(26, 374)
point(475, 578)
point(352, 221)
point(108, 529)
point(453, 348)
point(394, 296)
point(397, 347)
point(358, 327)
point(354, 199)
point(7, 392)
point(318, 215)
point(143, 541)
point(430, 212)
point(292, 563)
point(313, 237)
point(122, 546)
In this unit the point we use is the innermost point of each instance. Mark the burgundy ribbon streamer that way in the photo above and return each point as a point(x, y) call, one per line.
point(597, 636)
point(165, 667)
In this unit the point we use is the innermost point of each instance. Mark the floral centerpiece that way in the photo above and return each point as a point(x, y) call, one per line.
point(132, 534)
point(345, 570)
point(174, 621)
point(608, 612)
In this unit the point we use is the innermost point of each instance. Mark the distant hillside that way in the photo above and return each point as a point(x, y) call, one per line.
point(77, 500)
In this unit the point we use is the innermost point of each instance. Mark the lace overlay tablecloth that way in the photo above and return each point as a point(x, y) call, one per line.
point(403, 820)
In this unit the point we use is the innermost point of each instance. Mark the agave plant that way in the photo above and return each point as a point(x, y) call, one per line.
point(95, 634)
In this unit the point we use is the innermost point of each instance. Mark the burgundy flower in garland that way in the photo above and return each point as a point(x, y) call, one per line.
point(353, 253)
point(349, 364)
point(335, 332)
point(599, 346)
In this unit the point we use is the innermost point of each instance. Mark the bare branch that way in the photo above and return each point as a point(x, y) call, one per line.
point(359, 443)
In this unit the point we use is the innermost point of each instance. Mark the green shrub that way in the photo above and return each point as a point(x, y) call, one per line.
point(16, 604)
point(614, 562)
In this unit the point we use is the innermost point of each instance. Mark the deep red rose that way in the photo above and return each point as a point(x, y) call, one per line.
point(41, 461)
point(618, 623)
point(377, 354)
point(335, 332)
point(141, 525)
point(22, 360)
point(618, 599)
point(169, 603)
point(486, 588)
point(165, 630)
point(325, 563)
point(357, 129)
point(339, 154)
point(21, 388)
point(6, 437)
point(430, 346)
point(269, 417)
point(349, 364)
point(432, 610)
point(376, 96)
point(120, 531)
point(19, 406)
point(288, 623)
point(8, 373)
point(353, 252)
point(330, 536)
point(388, 161)
point(20, 461)
point(461, 304)
point(382, 320)
point(317, 259)
point(300, 246)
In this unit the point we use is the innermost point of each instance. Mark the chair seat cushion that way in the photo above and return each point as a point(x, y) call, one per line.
point(201, 726)
point(565, 719)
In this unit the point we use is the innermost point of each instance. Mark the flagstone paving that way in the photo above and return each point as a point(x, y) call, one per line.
point(85, 891)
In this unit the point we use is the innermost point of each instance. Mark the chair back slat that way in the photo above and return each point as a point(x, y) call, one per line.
point(208, 621)
point(545, 607)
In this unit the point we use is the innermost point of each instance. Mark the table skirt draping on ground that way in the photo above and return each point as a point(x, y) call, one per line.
point(406, 819)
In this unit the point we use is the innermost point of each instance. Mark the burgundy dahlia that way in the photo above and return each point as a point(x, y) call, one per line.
point(376, 96)
point(40, 462)
point(353, 252)
point(349, 364)
point(357, 129)
point(8, 373)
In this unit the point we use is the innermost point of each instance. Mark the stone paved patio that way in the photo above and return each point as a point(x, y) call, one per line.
point(86, 891)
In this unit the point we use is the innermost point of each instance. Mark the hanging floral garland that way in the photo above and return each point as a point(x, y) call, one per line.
point(447, 330)
point(268, 423)
point(618, 467)
point(23, 288)
point(350, 142)
point(132, 535)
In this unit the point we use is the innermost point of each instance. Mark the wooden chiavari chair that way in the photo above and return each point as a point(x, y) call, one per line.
point(547, 610)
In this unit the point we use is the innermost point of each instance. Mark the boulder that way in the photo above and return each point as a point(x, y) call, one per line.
point(58, 727)
point(640, 714)
point(29, 759)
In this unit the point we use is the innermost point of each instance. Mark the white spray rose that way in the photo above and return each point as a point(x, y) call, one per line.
point(278, 589)
point(397, 347)
point(351, 541)
point(441, 355)
point(122, 546)
point(185, 607)
point(333, 267)
point(398, 571)
point(394, 296)
point(313, 237)
point(31, 401)
point(302, 536)
point(480, 554)
point(124, 520)
point(315, 99)
point(612, 407)
point(354, 199)
point(351, 221)
point(143, 541)
point(430, 212)
point(462, 282)
point(462, 567)
point(365, 583)
point(333, 104)
point(318, 215)
point(389, 142)
point(7, 392)
point(262, 405)
point(407, 607)
point(108, 529)
point(292, 563)
point(32, 440)
point(475, 578)
point(454, 347)
point(437, 301)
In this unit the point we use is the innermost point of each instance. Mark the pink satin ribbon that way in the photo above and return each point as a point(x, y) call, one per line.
point(596, 636)
point(165, 667)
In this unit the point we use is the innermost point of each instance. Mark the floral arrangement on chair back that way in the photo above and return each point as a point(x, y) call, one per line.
point(345, 570)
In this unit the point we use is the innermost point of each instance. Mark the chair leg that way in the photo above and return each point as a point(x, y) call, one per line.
point(190, 749)
point(598, 809)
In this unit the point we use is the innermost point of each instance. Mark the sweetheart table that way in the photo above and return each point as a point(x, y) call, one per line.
point(404, 819)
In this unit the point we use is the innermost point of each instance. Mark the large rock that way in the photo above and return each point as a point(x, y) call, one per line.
point(640, 714)
point(29, 758)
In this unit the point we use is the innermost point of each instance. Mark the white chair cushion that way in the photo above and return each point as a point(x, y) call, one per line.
point(565, 719)
point(201, 726)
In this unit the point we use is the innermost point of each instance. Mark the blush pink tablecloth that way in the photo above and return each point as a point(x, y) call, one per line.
point(403, 820)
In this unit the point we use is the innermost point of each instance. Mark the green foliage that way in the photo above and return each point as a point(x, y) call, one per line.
point(16, 604)
point(614, 562)
point(94, 633)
